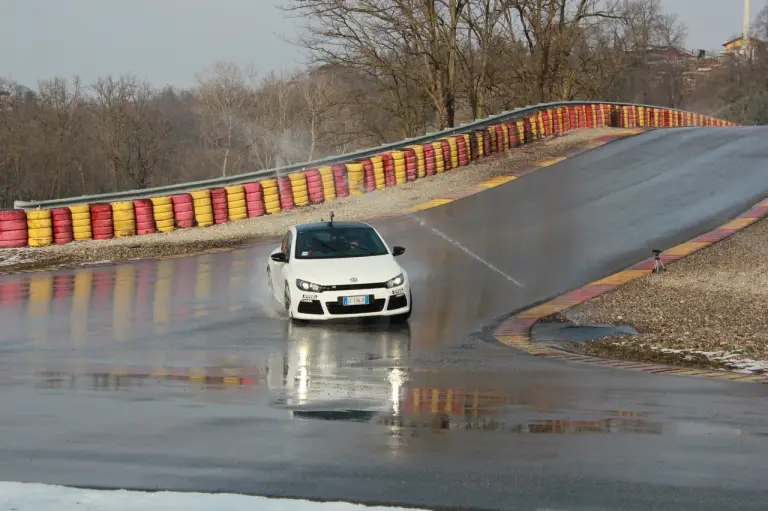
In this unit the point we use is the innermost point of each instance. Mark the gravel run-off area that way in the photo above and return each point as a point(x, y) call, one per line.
point(708, 310)
point(248, 231)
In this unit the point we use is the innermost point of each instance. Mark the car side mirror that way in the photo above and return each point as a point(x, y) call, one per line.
point(279, 257)
point(396, 251)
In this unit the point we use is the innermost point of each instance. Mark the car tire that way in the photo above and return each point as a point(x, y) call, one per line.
point(287, 299)
point(405, 316)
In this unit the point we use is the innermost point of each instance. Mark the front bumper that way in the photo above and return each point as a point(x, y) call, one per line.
point(328, 304)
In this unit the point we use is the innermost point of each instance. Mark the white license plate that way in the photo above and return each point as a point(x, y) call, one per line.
point(355, 300)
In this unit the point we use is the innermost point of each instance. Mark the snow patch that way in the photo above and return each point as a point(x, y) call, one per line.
point(735, 360)
point(43, 497)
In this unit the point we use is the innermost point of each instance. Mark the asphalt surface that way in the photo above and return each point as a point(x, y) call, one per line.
point(180, 374)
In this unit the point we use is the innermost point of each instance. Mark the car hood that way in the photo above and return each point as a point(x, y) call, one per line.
point(328, 272)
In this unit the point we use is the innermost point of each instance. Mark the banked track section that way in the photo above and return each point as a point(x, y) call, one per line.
point(177, 374)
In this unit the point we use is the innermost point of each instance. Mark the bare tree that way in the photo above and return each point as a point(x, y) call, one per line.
point(227, 97)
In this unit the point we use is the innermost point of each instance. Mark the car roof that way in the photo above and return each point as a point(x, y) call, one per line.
point(316, 226)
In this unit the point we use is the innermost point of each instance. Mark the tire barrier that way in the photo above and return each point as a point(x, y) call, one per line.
point(363, 174)
point(377, 163)
point(123, 219)
point(162, 212)
point(61, 219)
point(145, 222)
point(81, 222)
point(203, 208)
point(430, 168)
point(398, 158)
point(438, 154)
point(13, 229)
point(446, 148)
point(411, 165)
point(329, 184)
point(418, 150)
point(271, 196)
point(236, 202)
point(355, 172)
point(219, 206)
point(101, 221)
point(286, 193)
point(461, 151)
point(340, 183)
point(299, 188)
point(183, 210)
point(369, 182)
point(254, 201)
point(389, 169)
point(39, 228)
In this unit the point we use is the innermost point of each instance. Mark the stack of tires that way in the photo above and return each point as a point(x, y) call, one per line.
point(315, 186)
point(253, 200)
point(201, 204)
point(81, 222)
point(299, 188)
point(62, 226)
point(271, 196)
point(286, 193)
point(162, 212)
point(13, 229)
point(219, 206)
point(238, 210)
point(145, 223)
point(124, 221)
point(183, 210)
point(101, 221)
point(340, 183)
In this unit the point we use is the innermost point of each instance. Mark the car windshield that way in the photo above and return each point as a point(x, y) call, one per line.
point(338, 242)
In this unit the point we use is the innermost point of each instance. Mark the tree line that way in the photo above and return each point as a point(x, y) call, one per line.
point(380, 70)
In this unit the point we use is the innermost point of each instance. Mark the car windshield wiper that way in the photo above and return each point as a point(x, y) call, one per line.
point(326, 245)
point(349, 245)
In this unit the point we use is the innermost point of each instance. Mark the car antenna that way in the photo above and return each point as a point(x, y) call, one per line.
point(330, 224)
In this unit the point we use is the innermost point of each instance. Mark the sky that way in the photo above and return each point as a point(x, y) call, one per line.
point(168, 42)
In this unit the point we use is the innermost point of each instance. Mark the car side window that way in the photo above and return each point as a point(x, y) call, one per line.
point(288, 246)
point(284, 244)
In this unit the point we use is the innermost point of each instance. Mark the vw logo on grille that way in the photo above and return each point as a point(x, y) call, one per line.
point(353, 279)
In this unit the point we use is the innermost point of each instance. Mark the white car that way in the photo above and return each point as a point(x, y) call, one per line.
point(330, 270)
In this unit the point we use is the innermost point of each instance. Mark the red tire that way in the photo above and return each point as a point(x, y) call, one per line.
point(14, 234)
point(13, 215)
point(13, 243)
point(102, 236)
point(252, 188)
point(13, 225)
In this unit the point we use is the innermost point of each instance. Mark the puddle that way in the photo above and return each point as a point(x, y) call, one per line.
point(560, 333)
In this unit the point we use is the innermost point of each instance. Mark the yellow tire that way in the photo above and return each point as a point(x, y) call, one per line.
point(200, 194)
point(159, 217)
point(38, 214)
point(234, 189)
point(300, 188)
point(84, 229)
point(120, 233)
point(81, 218)
point(235, 204)
point(38, 224)
point(122, 216)
point(122, 206)
point(80, 208)
point(40, 232)
point(272, 205)
point(204, 220)
point(39, 242)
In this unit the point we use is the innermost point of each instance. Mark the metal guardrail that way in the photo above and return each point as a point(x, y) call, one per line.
point(343, 158)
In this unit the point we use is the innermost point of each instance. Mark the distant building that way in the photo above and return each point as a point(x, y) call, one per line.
point(736, 47)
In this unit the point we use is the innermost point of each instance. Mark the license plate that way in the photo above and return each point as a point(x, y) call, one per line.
point(355, 300)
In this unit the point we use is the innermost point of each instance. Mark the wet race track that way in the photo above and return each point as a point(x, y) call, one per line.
point(181, 374)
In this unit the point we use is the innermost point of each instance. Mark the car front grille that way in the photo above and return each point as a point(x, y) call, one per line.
point(353, 287)
point(373, 306)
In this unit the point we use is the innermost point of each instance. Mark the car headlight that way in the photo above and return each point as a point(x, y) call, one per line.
point(308, 286)
point(397, 281)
